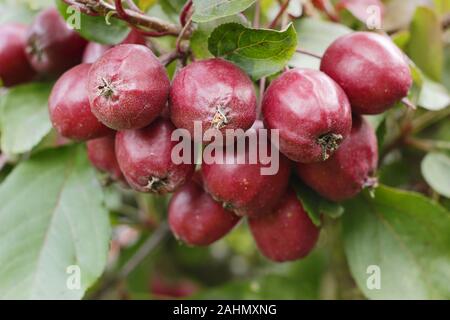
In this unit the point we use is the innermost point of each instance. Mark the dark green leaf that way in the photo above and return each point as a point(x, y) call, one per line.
point(315, 205)
point(259, 52)
point(405, 235)
point(199, 39)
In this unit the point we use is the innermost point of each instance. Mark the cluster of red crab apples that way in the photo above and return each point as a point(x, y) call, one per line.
point(121, 101)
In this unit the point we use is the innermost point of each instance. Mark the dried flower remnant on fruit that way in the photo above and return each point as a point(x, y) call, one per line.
point(330, 143)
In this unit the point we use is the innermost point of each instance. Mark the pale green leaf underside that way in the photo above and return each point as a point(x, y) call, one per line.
point(51, 217)
point(207, 10)
point(407, 236)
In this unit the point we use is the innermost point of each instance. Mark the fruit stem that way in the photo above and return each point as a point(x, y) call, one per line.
point(136, 18)
point(329, 143)
point(408, 103)
point(280, 13)
point(309, 54)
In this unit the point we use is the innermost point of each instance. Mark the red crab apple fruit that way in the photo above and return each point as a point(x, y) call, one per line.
point(242, 187)
point(145, 158)
point(373, 72)
point(214, 92)
point(195, 218)
point(287, 233)
point(14, 66)
point(311, 112)
point(52, 47)
point(349, 170)
point(70, 111)
point(101, 153)
point(128, 87)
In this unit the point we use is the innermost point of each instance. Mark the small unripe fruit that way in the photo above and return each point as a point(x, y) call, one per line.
point(241, 186)
point(102, 154)
point(311, 112)
point(214, 92)
point(69, 107)
point(195, 218)
point(14, 66)
point(94, 50)
point(52, 47)
point(349, 170)
point(286, 234)
point(373, 72)
point(128, 87)
point(145, 158)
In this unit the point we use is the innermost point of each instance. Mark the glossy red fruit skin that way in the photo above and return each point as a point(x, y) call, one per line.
point(128, 87)
point(345, 174)
point(196, 219)
point(204, 90)
point(52, 47)
point(94, 50)
point(242, 188)
point(286, 234)
point(305, 106)
point(69, 108)
point(144, 156)
point(102, 154)
point(14, 67)
point(373, 72)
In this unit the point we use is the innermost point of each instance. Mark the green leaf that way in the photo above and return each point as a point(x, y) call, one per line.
point(433, 95)
point(199, 39)
point(315, 205)
point(207, 10)
point(259, 52)
point(25, 119)
point(315, 36)
point(404, 234)
point(426, 46)
point(436, 171)
point(95, 28)
point(51, 218)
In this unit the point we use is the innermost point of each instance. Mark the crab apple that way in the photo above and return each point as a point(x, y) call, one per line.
point(145, 158)
point(52, 47)
point(214, 92)
point(128, 87)
point(69, 108)
point(349, 170)
point(102, 154)
point(14, 66)
point(373, 72)
point(195, 218)
point(311, 112)
point(287, 233)
point(241, 185)
point(94, 50)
